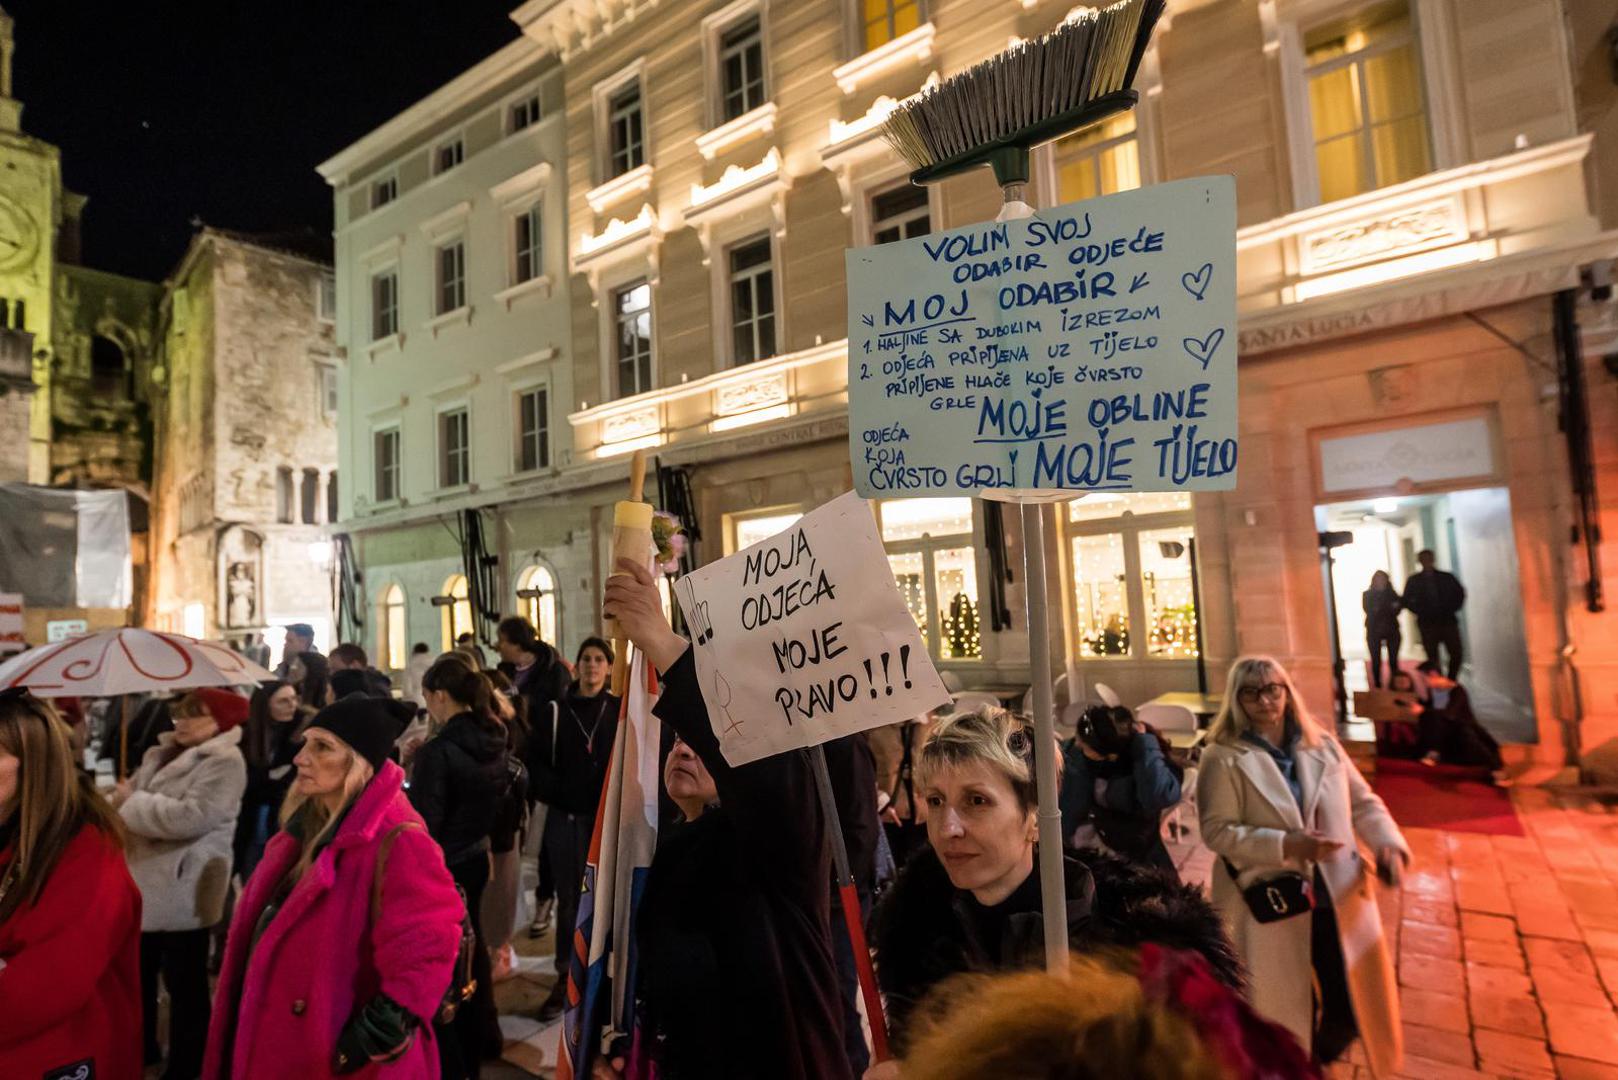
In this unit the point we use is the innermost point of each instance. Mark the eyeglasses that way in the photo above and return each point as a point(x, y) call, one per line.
point(1269, 691)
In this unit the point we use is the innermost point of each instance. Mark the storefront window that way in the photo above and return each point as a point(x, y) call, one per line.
point(930, 548)
point(457, 616)
point(1130, 567)
point(536, 601)
point(747, 530)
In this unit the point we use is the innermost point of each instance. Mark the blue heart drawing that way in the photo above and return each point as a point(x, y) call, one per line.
point(1203, 351)
point(1196, 284)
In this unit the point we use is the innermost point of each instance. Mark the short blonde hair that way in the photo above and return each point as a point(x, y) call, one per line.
point(1094, 1022)
point(996, 737)
point(1232, 718)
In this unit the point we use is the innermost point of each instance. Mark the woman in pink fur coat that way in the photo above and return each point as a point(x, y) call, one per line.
point(311, 986)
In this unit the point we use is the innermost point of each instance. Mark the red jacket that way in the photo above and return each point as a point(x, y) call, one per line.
point(70, 990)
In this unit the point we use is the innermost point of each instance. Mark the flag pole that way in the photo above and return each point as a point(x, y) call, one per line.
point(631, 539)
point(852, 917)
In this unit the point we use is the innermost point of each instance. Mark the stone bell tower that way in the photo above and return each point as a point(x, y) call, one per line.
point(10, 107)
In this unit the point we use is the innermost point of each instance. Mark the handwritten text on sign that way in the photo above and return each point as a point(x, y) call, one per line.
point(1091, 347)
point(803, 638)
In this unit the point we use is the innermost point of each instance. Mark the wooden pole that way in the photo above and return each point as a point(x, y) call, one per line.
point(631, 539)
point(1053, 884)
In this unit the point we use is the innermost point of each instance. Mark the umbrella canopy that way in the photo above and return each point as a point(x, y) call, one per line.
point(127, 661)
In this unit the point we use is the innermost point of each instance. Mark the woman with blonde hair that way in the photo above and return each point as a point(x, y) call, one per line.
point(971, 901)
point(1284, 807)
point(343, 943)
point(69, 911)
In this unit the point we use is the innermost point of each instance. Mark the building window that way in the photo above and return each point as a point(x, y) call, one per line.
point(625, 135)
point(536, 601)
point(741, 69)
point(385, 456)
point(524, 113)
point(457, 617)
point(384, 191)
point(451, 277)
point(454, 448)
point(887, 19)
point(1130, 561)
point(930, 548)
point(533, 430)
point(331, 497)
point(328, 391)
point(392, 624)
point(1367, 111)
point(745, 530)
point(900, 214)
point(632, 310)
point(448, 155)
point(309, 496)
point(384, 304)
point(284, 495)
point(326, 298)
point(1102, 159)
point(752, 301)
point(527, 245)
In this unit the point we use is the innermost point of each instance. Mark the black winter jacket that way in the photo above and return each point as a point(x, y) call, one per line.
point(1434, 596)
point(545, 681)
point(1381, 612)
point(567, 764)
point(927, 930)
point(458, 782)
point(736, 974)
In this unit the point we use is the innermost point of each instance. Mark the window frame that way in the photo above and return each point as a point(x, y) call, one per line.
point(614, 321)
point(858, 24)
point(519, 434)
point(326, 285)
point(876, 191)
point(716, 28)
point(393, 598)
point(927, 545)
point(534, 213)
point(449, 621)
point(443, 453)
point(442, 246)
point(531, 608)
point(734, 521)
point(391, 270)
point(455, 141)
point(731, 277)
point(633, 150)
point(395, 469)
point(388, 181)
point(328, 391)
point(602, 94)
point(532, 95)
point(1128, 526)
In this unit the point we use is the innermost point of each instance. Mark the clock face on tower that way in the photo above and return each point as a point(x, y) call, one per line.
point(19, 236)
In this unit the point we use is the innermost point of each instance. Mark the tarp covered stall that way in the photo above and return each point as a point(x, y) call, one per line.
point(65, 549)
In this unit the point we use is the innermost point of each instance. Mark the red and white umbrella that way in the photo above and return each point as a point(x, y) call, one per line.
point(128, 661)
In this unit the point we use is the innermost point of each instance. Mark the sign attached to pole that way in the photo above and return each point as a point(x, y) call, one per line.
point(804, 638)
point(1090, 347)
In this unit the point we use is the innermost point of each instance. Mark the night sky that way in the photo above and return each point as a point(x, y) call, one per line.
point(163, 114)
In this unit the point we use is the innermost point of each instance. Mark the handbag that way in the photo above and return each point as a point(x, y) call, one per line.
point(1275, 898)
point(462, 982)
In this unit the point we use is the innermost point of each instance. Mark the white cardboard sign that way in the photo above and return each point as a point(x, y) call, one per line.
point(1091, 347)
point(804, 638)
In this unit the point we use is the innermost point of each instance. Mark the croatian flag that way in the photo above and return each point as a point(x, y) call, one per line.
point(602, 959)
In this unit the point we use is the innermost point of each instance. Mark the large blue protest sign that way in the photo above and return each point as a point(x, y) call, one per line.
point(1090, 347)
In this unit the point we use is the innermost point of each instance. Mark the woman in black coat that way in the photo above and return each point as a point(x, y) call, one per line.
point(458, 782)
point(736, 975)
point(1382, 606)
point(971, 902)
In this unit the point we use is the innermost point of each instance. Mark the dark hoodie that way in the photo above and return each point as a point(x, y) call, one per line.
point(927, 930)
point(567, 764)
point(457, 783)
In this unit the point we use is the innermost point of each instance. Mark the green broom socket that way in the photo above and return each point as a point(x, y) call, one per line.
point(1010, 164)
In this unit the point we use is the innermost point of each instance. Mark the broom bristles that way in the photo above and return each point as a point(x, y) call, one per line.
point(1091, 54)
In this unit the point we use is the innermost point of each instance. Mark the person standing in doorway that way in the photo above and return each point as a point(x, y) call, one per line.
point(1381, 606)
point(1435, 597)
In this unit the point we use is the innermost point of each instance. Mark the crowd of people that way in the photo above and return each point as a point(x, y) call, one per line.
point(324, 878)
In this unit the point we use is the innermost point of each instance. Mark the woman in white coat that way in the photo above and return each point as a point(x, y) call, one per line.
point(180, 808)
point(1276, 793)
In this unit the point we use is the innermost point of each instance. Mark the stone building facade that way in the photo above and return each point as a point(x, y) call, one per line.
point(245, 442)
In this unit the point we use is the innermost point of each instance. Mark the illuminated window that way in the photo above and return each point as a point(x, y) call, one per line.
point(930, 549)
point(887, 19)
point(1367, 110)
point(752, 301)
point(536, 601)
point(632, 311)
point(1130, 565)
point(392, 623)
point(900, 213)
point(744, 531)
point(1100, 160)
point(457, 617)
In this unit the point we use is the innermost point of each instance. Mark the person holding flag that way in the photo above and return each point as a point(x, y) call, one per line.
point(735, 975)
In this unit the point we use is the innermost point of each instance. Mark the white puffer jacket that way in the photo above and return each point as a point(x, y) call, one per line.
point(182, 819)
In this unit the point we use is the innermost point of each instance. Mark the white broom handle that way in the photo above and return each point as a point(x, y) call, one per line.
point(1053, 884)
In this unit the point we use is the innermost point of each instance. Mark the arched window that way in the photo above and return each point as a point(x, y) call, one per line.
point(536, 601)
point(392, 628)
point(457, 616)
point(109, 368)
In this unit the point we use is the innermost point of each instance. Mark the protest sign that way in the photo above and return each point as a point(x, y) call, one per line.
point(1090, 347)
point(803, 638)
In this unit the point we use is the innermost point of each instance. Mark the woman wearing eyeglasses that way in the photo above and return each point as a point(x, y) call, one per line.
point(69, 911)
point(1289, 815)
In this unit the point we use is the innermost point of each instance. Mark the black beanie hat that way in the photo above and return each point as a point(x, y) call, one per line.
point(363, 724)
point(349, 681)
